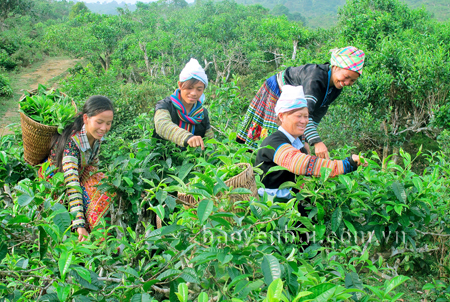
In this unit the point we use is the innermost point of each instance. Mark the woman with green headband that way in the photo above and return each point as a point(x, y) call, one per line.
point(322, 84)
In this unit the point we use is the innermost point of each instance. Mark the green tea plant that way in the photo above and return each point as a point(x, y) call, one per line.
point(5, 86)
point(49, 107)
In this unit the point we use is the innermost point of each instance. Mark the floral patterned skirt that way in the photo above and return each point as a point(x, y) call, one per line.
point(260, 119)
point(95, 202)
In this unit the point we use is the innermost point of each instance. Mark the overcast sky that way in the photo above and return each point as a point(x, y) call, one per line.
point(118, 1)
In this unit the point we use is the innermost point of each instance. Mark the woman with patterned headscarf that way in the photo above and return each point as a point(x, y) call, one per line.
point(322, 84)
point(181, 118)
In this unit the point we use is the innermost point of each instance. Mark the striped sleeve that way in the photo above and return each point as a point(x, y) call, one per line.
point(168, 130)
point(72, 182)
point(303, 164)
point(311, 134)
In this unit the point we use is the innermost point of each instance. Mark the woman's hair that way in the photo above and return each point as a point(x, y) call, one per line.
point(93, 106)
point(189, 83)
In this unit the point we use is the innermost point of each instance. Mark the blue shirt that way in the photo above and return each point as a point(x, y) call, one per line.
point(283, 193)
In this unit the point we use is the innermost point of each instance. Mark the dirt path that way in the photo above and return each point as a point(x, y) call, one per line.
point(41, 73)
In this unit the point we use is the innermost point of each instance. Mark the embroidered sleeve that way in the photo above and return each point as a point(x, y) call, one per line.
point(168, 130)
point(303, 164)
point(72, 182)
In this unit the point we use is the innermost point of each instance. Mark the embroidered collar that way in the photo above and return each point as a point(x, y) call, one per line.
point(295, 142)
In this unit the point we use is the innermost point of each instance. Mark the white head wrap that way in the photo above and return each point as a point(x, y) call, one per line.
point(291, 98)
point(193, 70)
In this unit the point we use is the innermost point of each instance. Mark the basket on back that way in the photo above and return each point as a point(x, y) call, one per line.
point(36, 137)
point(245, 179)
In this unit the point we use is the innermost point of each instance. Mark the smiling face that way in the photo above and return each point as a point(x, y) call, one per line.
point(98, 125)
point(294, 122)
point(190, 91)
point(341, 77)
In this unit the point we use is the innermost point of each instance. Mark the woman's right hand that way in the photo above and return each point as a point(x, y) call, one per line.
point(196, 141)
point(82, 234)
point(357, 159)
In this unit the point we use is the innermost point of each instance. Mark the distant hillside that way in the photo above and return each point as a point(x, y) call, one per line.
point(323, 13)
point(314, 13)
point(108, 8)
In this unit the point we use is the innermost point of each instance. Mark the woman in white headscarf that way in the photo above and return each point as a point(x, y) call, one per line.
point(181, 118)
point(288, 151)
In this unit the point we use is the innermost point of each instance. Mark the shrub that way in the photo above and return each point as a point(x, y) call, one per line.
point(5, 86)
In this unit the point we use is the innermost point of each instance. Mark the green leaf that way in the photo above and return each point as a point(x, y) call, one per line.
point(276, 168)
point(301, 295)
point(182, 293)
point(352, 281)
point(241, 191)
point(43, 242)
point(204, 209)
point(320, 211)
point(169, 273)
point(22, 263)
point(24, 199)
point(148, 285)
point(319, 290)
point(270, 268)
point(64, 263)
point(184, 171)
point(399, 191)
point(346, 181)
point(159, 210)
point(306, 222)
point(171, 229)
point(141, 298)
point(350, 227)
point(203, 297)
point(336, 219)
point(83, 273)
point(324, 173)
point(19, 219)
point(63, 221)
point(171, 203)
point(3, 251)
point(128, 181)
point(275, 290)
point(396, 281)
point(418, 184)
point(161, 196)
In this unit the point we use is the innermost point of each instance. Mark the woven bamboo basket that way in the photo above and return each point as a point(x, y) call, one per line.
point(36, 136)
point(245, 179)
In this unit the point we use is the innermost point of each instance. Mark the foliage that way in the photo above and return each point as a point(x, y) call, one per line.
point(5, 86)
point(382, 221)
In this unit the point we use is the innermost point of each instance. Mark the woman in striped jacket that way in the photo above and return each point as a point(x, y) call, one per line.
point(181, 118)
point(287, 150)
point(75, 153)
point(322, 84)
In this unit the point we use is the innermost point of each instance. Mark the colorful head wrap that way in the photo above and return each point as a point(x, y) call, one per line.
point(291, 98)
point(349, 57)
point(193, 70)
